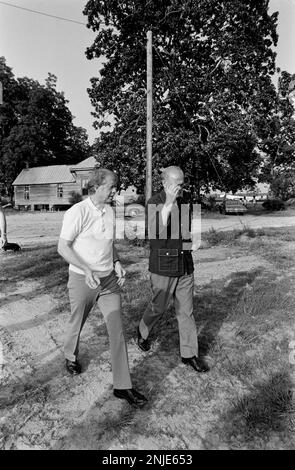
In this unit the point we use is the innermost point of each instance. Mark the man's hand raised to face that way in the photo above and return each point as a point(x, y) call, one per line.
point(172, 191)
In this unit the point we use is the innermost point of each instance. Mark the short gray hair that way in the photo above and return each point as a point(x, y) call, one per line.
point(99, 176)
point(166, 172)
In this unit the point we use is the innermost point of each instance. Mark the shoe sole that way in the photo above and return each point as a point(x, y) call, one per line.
point(200, 371)
point(197, 370)
point(73, 372)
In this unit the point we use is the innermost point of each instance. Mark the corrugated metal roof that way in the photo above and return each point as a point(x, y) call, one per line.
point(45, 175)
point(90, 162)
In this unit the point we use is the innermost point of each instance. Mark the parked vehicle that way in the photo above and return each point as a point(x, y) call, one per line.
point(134, 210)
point(232, 206)
point(290, 202)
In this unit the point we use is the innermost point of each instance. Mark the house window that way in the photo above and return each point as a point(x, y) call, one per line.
point(27, 192)
point(84, 187)
point(59, 190)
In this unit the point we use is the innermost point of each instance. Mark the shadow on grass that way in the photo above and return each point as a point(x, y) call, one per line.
point(32, 264)
point(212, 305)
point(155, 366)
point(268, 410)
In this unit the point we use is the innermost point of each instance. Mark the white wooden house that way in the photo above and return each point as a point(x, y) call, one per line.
point(50, 187)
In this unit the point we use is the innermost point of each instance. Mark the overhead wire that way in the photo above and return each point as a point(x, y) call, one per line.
point(42, 13)
point(47, 14)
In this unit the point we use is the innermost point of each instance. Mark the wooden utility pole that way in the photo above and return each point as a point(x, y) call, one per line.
point(149, 116)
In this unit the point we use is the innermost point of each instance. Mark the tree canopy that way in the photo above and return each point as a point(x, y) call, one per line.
point(36, 127)
point(277, 133)
point(212, 67)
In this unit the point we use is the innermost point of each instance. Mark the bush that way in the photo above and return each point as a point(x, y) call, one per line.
point(250, 232)
point(273, 205)
point(283, 185)
point(74, 198)
point(207, 203)
point(4, 200)
point(215, 237)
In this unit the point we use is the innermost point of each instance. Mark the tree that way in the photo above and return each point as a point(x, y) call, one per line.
point(212, 67)
point(36, 127)
point(277, 134)
point(283, 185)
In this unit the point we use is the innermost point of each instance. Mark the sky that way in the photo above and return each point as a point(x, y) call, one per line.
point(34, 45)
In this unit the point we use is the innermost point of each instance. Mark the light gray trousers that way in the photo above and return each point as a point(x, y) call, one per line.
point(180, 290)
point(108, 297)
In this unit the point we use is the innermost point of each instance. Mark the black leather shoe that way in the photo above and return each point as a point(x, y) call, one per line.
point(143, 344)
point(74, 368)
point(131, 395)
point(196, 363)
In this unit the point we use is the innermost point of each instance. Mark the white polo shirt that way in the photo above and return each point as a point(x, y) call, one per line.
point(92, 232)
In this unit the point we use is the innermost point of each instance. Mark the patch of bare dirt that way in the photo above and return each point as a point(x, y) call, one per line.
point(41, 407)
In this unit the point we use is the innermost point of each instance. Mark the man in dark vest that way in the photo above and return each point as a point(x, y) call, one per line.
point(171, 266)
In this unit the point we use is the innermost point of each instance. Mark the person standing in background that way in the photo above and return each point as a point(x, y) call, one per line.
point(3, 228)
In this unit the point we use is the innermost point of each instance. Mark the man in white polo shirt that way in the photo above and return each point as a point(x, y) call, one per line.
point(96, 275)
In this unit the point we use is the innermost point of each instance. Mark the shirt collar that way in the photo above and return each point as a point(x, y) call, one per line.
point(93, 206)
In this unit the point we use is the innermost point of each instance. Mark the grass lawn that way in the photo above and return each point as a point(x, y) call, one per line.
point(244, 310)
